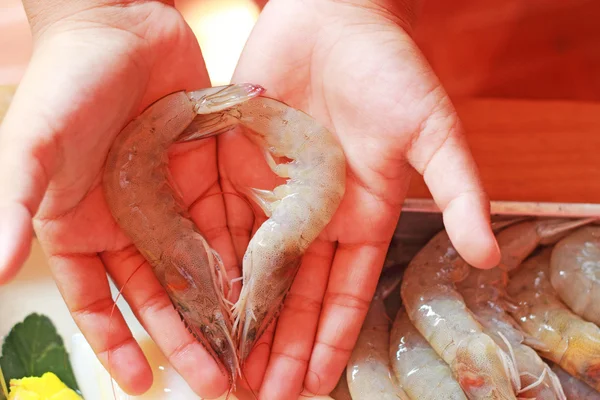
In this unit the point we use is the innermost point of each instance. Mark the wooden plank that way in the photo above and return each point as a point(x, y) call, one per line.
point(532, 150)
point(543, 49)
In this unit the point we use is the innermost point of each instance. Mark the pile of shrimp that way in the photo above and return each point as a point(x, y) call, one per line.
point(148, 206)
point(525, 329)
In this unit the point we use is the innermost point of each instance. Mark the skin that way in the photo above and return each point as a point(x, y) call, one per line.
point(371, 87)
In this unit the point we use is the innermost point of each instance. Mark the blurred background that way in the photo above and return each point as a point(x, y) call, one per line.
point(536, 49)
point(524, 76)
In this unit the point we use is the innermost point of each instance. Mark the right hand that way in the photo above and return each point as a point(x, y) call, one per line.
point(96, 65)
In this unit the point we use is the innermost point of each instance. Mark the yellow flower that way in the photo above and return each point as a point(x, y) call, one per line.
point(46, 387)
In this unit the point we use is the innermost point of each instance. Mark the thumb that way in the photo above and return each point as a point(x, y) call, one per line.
point(27, 161)
point(441, 154)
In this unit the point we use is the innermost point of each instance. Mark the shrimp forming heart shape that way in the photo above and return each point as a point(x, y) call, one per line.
point(148, 207)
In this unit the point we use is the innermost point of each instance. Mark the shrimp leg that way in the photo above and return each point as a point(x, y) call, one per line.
point(421, 372)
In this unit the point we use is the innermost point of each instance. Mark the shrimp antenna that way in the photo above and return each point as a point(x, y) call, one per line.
point(112, 311)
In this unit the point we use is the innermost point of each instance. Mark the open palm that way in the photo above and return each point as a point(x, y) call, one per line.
point(93, 71)
point(350, 66)
point(354, 69)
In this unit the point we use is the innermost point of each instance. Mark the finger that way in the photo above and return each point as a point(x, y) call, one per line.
point(25, 169)
point(441, 155)
point(297, 325)
point(153, 308)
point(354, 275)
point(82, 281)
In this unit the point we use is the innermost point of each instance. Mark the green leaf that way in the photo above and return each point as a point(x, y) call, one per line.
point(34, 347)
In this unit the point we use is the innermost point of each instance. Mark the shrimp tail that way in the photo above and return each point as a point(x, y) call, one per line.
point(551, 231)
point(220, 98)
point(210, 104)
point(499, 225)
point(251, 319)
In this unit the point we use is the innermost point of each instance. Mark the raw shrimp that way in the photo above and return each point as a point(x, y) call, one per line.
point(566, 339)
point(439, 313)
point(484, 294)
point(575, 272)
point(369, 372)
point(148, 207)
point(519, 241)
point(298, 211)
point(420, 371)
point(573, 387)
point(537, 380)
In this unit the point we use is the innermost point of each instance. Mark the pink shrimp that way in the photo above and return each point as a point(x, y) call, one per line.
point(148, 207)
point(439, 313)
point(298, 211)
point(563, 336)
point(573, 387)
point(575, 272)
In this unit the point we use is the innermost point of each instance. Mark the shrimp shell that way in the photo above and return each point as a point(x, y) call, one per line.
point(568, 340)
point(439, 312)
point(573, 387)
point(297, 211)
point(421, 372)
point(537, 380)
point(484, 292)
point(369, 371)
point(575, 272)
point(148, 207)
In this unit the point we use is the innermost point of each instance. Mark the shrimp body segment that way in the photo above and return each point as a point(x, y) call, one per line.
point(369, 372)
point(518, 241)
point(147, 206)
point(484, 292)
point(479, 291)
point(297, 211)
point(439, 313)
point(420, 371)
point(573, 387)
point(567, 339)
point(575, 272)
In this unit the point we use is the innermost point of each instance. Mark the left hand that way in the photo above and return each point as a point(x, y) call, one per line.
point(353, 67)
